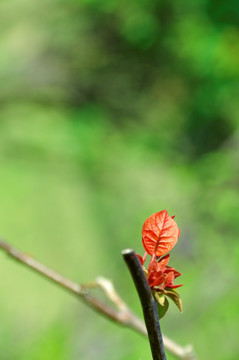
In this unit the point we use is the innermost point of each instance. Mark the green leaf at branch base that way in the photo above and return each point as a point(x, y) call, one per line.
point(163, 303)
point(174, 295)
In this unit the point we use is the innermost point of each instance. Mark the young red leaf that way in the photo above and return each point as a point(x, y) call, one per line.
point(159, 234)
point(163, 261)
point(141, 260)
point(155, 275)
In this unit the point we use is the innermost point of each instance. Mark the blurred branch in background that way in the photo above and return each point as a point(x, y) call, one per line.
point(120, 313)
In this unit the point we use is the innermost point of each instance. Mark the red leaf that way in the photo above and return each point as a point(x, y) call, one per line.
point(156, 276)
point(174, 286)
point(169, 268)
point(163, 261)
point(140, 259)
point(159, 234)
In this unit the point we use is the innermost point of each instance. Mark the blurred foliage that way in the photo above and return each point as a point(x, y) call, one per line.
point(110, 111)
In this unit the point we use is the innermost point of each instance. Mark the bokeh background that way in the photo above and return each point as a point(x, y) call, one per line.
point(110, 111)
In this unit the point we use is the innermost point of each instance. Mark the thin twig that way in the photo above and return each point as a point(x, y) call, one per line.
point(148, 303)
point(121, 314)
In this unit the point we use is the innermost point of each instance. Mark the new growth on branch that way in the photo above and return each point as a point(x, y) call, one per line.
point(160, 234)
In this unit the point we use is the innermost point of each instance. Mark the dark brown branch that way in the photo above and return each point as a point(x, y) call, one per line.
point(123, 315)
point(148, 303)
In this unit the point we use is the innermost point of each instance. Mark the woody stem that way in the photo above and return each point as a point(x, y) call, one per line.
point(148, 304)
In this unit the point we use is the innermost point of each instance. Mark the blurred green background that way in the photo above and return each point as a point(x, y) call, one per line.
point(111, 111)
